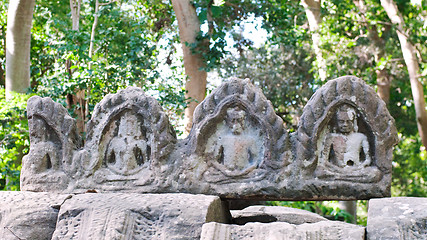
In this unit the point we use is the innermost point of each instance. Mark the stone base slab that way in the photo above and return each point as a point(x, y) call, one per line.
point(397, 218)
point(39, 216)
point(324, 230)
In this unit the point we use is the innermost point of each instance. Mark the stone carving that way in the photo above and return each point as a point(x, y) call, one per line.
point(129, 138)
point(137, 216)
point(129, 144)
point(341, 139)
point(238, 147)
point(53, 138)
point(236, 137)
point(236, 151)
point(397, 218)
point(345, 147)
point(344, 151)
point(329, 230)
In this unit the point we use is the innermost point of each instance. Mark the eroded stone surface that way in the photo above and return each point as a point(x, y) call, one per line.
point(324, 230)
point(137, 216)
point(238, 147)
point(53, 138)
point(345, 139)
point(268, 214)
point(28, 215)
point(397, 218)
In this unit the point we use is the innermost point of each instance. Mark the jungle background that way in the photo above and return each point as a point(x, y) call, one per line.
point(81, 50)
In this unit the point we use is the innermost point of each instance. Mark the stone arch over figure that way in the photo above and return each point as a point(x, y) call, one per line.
point(237, 133)
point(320, 135)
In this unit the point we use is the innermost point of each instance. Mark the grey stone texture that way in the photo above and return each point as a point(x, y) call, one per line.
point(399, 218)
point(39, 216)
point(137, 216)
point(266, 214)
point(29, 215)
point(324, 230)
point(238, 147)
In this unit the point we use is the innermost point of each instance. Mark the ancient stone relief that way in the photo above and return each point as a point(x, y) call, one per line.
point(237, 148)
point(233, 135)
point(126, 139)
point(53, 139)
point(129, 137)
point(342, 142)
point(343, 145)
point(345, 153)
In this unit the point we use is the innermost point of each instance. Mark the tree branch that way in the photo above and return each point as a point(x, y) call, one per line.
point(107, 3)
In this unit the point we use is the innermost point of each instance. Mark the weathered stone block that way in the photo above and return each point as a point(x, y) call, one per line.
point(397, 218)
point(28, 215)
point(266, 214)
point(238, 147)
point(137, 216)
point(324, 230)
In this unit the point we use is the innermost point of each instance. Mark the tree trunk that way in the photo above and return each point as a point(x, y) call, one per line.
point(78, 98)
point(95, 23)
point(18, 45)
point(2, 82)
point(75, 13)
point(383, 84)
point(411, 61)
point(189, 27)
point(312, 11)
point(383, 78)
point(350, 207)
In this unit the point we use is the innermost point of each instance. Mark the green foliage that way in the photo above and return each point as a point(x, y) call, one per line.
point(329, 210)
point(410, 168)
point(126, 53)
point(282, 73)
point(14, 139)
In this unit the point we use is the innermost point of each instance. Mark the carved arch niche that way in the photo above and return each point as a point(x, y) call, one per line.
point(53, 138)
point(346, 133)
point(237, 134)
point(129, 137)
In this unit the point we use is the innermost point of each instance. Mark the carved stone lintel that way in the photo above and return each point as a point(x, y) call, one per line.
point(238, 147)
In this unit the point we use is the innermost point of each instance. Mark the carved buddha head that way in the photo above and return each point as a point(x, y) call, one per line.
point(346, 121)
point(236, 120)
